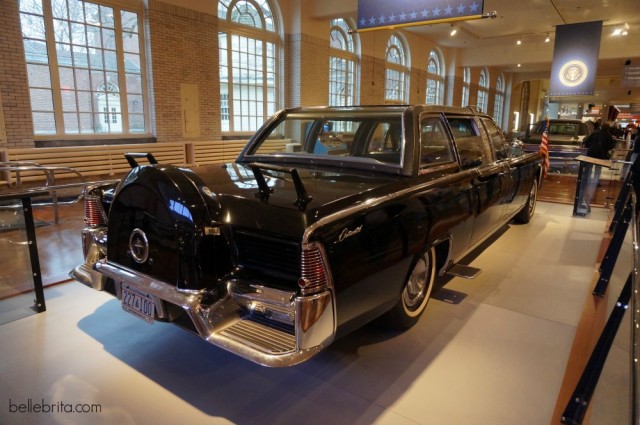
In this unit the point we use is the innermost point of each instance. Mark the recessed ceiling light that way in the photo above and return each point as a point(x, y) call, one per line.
point(548, 39)
point(519, 42)
point(519, 65)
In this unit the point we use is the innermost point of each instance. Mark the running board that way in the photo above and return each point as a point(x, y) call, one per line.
point(463, 271)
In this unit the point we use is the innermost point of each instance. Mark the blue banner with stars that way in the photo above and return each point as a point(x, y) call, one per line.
point(386, 13)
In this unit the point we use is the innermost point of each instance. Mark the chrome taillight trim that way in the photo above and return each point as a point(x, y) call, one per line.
point(94, 214)
point(315, 275)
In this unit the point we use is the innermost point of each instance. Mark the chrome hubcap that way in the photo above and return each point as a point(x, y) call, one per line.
point(415, 290)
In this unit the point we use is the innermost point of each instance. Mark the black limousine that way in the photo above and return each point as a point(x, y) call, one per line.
point(328, 219)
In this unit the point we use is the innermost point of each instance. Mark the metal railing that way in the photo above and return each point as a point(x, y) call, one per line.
point(626, 214)
point(14, 172)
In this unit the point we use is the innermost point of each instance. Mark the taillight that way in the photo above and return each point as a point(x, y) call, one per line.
point(94, 214)
point(314, 269)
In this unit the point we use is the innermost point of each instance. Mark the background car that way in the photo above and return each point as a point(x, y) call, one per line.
point(563, 134)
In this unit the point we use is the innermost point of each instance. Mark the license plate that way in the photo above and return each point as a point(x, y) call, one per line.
point(138, 303)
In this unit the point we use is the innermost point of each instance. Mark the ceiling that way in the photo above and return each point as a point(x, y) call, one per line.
point(492, 42)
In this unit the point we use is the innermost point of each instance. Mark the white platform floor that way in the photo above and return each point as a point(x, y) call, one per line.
point(494, 355)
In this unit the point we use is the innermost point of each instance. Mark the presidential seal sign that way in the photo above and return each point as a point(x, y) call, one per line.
point(573, 73)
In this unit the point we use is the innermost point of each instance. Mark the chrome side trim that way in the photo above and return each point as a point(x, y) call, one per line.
point(377, 201)
point(227, 323)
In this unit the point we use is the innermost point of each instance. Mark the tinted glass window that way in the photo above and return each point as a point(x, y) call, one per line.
point(500, 146)
point(471, 148)
point(434, 142)
point(364, 139)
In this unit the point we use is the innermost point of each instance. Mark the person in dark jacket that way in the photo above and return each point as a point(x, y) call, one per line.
point(599, 145)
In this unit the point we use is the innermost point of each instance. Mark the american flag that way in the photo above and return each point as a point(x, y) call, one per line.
point(544, 148)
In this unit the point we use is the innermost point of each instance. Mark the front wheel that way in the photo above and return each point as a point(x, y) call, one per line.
point(526, 213)
point(416, 292)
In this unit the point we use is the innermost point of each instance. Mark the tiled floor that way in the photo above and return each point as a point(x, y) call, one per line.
point(495, 354)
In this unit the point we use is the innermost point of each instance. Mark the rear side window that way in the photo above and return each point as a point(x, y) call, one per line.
point(434, 143)
point(498, 142)
point(471, 148)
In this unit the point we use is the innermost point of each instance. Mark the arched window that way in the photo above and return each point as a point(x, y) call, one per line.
point(466, 85)
point(483, 91)
point(396, 71)
point(435, 79)
point(342, 64)
point(249, 43)
point(498, 106)
point(85, 64)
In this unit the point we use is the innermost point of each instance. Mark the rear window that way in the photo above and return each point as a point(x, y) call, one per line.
point(374, 139)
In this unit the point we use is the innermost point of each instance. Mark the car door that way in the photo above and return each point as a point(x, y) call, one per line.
point(474, 153)
point(509, 177)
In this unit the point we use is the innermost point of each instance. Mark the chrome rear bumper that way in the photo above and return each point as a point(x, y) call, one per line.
point(291, 328)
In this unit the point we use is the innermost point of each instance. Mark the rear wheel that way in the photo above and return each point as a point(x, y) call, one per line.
point(526, 214)
point(416, 292)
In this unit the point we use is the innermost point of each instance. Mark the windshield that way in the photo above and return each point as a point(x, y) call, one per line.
point(364, 138)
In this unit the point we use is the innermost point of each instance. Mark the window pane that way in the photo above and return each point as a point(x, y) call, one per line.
point(106, 17)
point(86, 123)
point(61, 31)
point(83, 82)
point(94, 37)
point(44, 123)
point(80, 57)
point(109, 39)
point(134, 83)
point(39, 76)
point(131, 62)
point(76, 11)
point(31, 6)
point(32, 26)
point(96, 60)
point(71, 124)
point(35, 51)
point(129, 22)
point(110, 60)
point(69, 101)
point(85, 103)
point(131, 42)
point(92, 12)
point(41, 99)
point(59, 8)
point(136, 123)
point(135, 104)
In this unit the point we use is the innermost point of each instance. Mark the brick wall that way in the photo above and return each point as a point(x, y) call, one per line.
point(14, 86)
point(307, 70)
point(184, 49)
point(371, 81)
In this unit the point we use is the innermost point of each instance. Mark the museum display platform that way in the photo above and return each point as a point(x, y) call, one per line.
point(492, 350)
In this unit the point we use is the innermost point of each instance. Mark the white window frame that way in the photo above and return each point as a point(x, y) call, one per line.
point(246, 114)
point(396, 81)
point(498, 106)
point(343, 63)
point(483, 91)
point(52, 20)
point(466, 86)
point(435, 79)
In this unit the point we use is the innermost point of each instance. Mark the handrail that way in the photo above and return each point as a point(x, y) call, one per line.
point(635, 319)
point(578, 404)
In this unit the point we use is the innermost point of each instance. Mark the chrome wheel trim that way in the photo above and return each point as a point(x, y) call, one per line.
point(418, 287)
point(533, 196)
